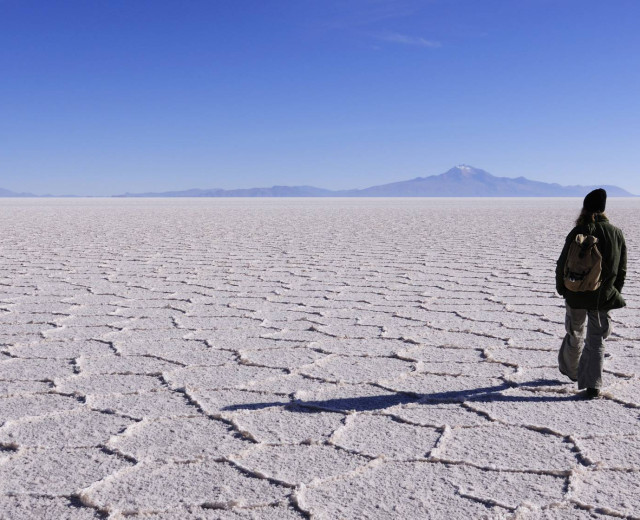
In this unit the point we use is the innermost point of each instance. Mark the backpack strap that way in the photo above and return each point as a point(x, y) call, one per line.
point(602, 254)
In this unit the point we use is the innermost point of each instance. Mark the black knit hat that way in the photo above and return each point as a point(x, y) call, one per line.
point(595, 201)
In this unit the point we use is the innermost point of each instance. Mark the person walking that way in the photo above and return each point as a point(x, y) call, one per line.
point(581, 357)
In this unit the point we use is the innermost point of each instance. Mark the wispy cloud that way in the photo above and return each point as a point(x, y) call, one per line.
point(404, 39)
point(377, 19)
point(360, 13)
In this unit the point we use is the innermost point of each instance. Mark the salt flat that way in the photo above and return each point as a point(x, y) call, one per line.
point(304, 358)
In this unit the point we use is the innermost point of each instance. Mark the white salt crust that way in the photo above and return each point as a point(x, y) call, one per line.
point(291, 359)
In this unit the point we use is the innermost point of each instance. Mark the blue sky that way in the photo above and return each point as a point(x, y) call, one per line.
point(106, 96)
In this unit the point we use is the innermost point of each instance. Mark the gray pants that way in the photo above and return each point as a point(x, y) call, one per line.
point(581, 358)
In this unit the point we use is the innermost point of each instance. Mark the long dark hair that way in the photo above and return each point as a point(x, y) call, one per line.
point(588, 217)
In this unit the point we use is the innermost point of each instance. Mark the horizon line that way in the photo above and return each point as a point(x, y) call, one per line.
point(460, 167)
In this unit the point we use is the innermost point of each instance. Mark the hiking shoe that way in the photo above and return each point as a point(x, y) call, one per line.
point(591, 393)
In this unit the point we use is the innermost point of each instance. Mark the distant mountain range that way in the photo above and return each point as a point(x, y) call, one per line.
point(8, 193)
point(460, 181)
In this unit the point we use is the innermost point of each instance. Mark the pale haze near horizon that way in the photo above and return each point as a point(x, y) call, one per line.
point(102, 99)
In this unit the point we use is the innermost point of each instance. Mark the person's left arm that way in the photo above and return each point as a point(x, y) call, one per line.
point(622, 265)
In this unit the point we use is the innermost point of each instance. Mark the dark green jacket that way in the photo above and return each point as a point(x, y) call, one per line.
point(614, 267)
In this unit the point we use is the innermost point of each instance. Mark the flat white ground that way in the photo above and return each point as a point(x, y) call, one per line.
point(282, 359)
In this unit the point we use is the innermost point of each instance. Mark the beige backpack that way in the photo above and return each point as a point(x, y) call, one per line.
point(583, 268)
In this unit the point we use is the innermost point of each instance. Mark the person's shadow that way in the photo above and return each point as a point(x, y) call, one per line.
point(380, 402)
